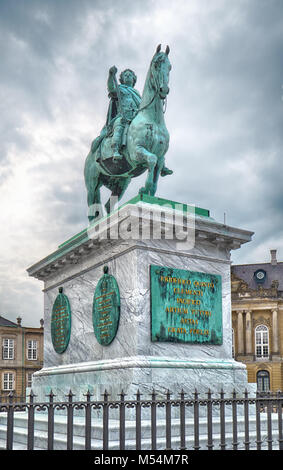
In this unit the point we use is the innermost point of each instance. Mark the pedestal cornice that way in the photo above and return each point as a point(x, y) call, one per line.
point(134, 212)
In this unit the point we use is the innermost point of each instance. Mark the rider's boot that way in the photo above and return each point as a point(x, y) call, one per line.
point(116, 154)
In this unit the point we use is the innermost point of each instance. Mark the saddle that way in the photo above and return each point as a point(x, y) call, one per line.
point(113, 167)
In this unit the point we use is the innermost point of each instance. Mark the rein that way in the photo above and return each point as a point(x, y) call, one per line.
point(164, 105)
point(146, 105)
point(153, 98)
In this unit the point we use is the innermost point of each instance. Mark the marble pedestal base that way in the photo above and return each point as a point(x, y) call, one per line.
point(142, 373)
point(132, 361)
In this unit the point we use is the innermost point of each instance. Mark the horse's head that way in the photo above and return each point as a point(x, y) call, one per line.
point(160, 68)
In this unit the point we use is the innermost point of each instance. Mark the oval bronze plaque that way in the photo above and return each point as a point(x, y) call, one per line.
point(61, 322)
point(106, 309)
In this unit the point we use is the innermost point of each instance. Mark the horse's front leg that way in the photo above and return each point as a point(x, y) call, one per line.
point(150, 159)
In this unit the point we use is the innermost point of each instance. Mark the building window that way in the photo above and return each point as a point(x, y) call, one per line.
point(29, 379)
point(32, 350)
point(233, 343)
point(261, 342)
point(8, 381)
point(8, 350)
point(263, 381)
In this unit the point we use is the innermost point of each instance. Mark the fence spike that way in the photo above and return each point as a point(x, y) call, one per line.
point(105, 395)
point(11, 397)
point(31, 396)
point(70, 395)
point(88, 395)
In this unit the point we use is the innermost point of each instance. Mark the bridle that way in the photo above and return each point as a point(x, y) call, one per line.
point(156, 88)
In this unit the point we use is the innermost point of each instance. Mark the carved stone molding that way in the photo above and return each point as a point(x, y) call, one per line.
point(261, 321)
point(240, 289)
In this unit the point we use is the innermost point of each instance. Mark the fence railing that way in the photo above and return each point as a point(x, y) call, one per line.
point(160, 422)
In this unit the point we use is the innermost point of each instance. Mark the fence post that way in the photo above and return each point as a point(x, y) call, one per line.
point(279, 412)
point(105, 420)
point(182, 421)
point(122, 421)
point(10, 423)
point(168, 421)
point(196, 421)
point(269, 422)
point(234, 414)
point(222, 421)
point(209, 421)
point(138, 421)
point(50, 438)
point(30, 443)
point(153, 420)
point(88, 422)
point(70, 421)
point(258, 428)
point(246, 412)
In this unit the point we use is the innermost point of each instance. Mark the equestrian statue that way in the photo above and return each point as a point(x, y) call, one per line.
point(134, 138)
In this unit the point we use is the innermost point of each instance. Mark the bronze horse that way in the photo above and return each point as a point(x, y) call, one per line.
point(147, 143)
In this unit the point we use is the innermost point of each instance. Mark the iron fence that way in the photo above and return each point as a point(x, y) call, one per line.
point(196, 422)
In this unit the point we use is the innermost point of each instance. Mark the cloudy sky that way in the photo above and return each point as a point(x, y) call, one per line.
point(224, 116)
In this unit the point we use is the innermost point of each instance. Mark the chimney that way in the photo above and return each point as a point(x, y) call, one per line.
point(273, 257)
point(19, 321)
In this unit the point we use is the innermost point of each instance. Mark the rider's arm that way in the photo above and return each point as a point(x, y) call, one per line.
point(111, 83)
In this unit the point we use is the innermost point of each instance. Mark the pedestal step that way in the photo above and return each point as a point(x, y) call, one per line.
point(20, 433)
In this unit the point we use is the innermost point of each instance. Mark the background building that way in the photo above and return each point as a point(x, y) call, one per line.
point(257, 321)
point(21, 356)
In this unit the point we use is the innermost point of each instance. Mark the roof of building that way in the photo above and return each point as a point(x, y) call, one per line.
point(273, 270)
point(5, 322)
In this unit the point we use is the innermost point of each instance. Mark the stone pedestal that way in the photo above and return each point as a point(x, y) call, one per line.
point(132, 361)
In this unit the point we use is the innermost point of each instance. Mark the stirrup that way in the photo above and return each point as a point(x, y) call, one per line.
point(117, 156)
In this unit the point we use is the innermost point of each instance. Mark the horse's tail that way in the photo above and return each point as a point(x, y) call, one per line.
point(90, 167)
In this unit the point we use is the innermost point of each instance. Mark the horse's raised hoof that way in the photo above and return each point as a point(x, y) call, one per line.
point(165, 171)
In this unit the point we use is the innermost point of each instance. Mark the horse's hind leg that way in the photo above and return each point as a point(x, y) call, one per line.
point(93, 199)
point(156, 173)
point(118, 186)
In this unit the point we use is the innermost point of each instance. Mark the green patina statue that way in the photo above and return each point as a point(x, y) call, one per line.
point(134, 138)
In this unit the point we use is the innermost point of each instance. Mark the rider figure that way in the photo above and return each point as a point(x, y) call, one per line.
point(125, 101)
point(124, 104)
